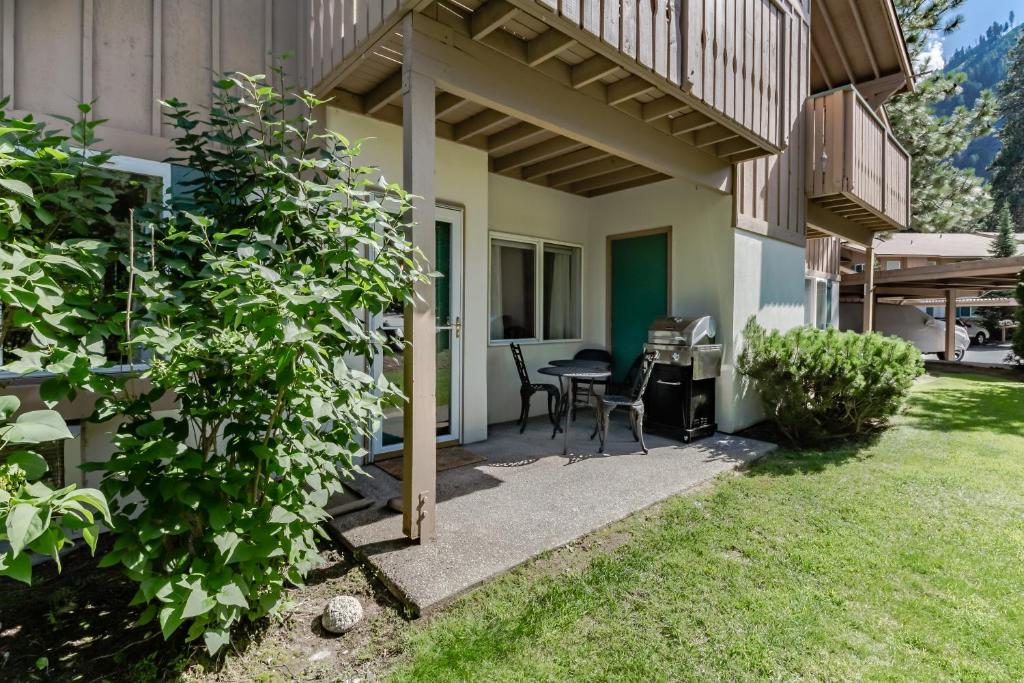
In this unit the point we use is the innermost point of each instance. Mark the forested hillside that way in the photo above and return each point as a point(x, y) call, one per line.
point(985, 66)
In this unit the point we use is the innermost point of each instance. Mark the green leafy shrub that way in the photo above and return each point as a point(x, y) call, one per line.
point(35, 517)
point(825, 385)
point(269, 261)
point(55, 197)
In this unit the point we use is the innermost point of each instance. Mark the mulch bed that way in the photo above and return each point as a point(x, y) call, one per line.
point(80, 622)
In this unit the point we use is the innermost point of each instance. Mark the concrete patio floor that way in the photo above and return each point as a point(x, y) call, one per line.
point(525, 499)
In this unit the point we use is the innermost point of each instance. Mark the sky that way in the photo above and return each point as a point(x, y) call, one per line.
point(978, 16)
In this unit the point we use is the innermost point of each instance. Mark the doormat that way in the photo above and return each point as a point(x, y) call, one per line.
point(447, 459)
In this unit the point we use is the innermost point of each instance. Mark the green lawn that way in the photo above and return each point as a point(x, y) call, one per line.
point(899, 560)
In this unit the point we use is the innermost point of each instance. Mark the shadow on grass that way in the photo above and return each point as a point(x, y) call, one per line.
point(985, 404)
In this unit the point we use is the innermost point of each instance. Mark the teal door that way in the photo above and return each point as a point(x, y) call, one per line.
point(639, 294)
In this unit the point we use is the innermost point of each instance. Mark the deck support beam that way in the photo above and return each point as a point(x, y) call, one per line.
point(950, 324)
point(469, 69)
point(419, 466)
point(869, 289)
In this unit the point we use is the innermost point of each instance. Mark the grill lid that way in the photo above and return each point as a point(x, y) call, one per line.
point(679, 331)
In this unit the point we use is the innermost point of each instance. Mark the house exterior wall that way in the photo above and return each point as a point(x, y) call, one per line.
point(127, 55)
point(717, 270)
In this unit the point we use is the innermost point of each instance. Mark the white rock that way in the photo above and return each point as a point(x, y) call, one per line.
point(341, 614)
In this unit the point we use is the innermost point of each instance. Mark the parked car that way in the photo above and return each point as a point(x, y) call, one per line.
point(976, 332)
point(906, 322)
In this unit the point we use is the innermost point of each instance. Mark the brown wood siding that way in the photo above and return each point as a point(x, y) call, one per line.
point(769, 194)
point(126, 55)
point(335, 29)
point(822, 256)
point(852, 154)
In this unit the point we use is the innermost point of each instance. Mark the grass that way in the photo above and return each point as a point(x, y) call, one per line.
point(902, 559)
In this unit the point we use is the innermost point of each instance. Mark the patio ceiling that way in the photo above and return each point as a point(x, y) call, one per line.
point(521, 149)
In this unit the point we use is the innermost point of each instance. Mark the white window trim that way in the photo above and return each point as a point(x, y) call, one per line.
point(126, 164)
point(813, 305)
point(538, 308)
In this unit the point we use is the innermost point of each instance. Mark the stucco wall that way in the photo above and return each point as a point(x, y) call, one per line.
point(728, 273)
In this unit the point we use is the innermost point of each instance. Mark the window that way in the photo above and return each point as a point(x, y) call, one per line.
point(135, 182)
point(820, 303)
point(892, 265)
point(858, 268)
point(535, 289)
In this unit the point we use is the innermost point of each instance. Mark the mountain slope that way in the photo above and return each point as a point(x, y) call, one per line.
point(985, 66)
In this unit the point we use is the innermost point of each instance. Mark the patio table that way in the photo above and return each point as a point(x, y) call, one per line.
point(570, 374)
point(579, 363)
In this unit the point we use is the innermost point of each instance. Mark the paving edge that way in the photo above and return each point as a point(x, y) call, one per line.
point(417, 611)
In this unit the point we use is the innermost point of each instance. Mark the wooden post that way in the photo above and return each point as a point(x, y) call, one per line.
point(419, 467)
point(869, 289)
point(950, 324)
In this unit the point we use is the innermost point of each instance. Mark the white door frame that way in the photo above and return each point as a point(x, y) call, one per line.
point(454, 217)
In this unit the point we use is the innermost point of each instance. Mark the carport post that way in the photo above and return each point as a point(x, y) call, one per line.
point(950, 324)
point(869, 289)
point(419, 466)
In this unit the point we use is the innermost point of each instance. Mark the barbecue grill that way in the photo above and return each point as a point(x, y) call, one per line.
point(680, 398)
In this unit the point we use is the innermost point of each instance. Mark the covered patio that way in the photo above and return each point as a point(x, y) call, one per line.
point(524, 498)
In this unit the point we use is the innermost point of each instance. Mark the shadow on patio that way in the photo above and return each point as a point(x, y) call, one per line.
point(526, 498)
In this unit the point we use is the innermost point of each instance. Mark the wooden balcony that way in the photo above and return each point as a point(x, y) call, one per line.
point(716, 75)
point(856, 168)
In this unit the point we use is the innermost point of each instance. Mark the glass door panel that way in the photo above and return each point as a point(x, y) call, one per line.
point(448, 305)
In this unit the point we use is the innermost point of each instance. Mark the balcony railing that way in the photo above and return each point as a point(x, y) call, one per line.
point(856, 168)
point(729, 57)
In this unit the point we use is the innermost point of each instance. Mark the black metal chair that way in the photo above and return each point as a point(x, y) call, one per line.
point(527, 389)
point(587, 385)
point(634, 401)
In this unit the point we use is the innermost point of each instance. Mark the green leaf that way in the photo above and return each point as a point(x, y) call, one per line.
point(18, 567)
point(198, 602)
point(170, 619)
point(17, 187)
point(25, 523)
point(278, 515)
point(37, 426)
point(32, 463)
point(231, 594)
point(215, 640)
point(8, 406)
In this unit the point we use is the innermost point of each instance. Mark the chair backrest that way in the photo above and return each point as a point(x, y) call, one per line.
point(642, 377)
point(517, 355)
point(594, 354)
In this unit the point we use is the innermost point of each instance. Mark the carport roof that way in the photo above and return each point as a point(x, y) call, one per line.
point(977, 276)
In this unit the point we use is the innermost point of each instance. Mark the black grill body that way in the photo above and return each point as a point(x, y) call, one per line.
point(679, 406)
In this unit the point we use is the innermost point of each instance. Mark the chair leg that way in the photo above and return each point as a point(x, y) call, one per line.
point(632, 424)
point(640, 429)
point(597, 420)
point(524, 418)
point(552, 409)
point(606, 416)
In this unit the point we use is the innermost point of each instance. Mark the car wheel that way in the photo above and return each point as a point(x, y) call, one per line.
point(979, 338)
point(959, 355)
point(940, 355)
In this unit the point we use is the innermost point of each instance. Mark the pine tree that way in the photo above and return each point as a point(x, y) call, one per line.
point(1018, 335)
point(1008, 167)
point(1005, 242)
point(944, 198)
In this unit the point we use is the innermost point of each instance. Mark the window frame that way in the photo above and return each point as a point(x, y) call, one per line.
point(124, 164)
point(811, 286)
point(538, 275)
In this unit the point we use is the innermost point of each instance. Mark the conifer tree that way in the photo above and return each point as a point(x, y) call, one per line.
point(944, 198)
point(1008, 167)
point(1005, 242)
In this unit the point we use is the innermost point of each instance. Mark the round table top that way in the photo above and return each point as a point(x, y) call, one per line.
point(576, 373)
point(580, 363)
